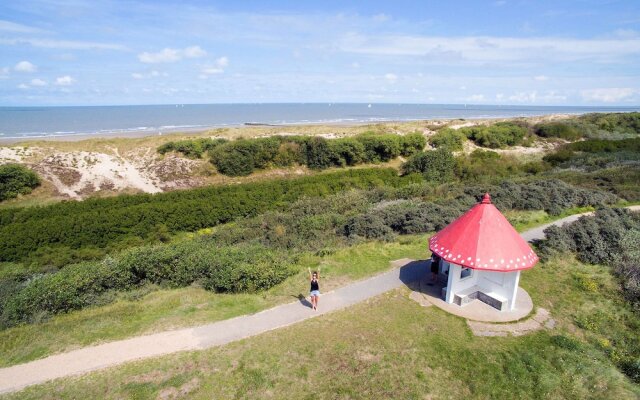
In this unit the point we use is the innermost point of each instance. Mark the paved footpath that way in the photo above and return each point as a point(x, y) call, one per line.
point(219, 333)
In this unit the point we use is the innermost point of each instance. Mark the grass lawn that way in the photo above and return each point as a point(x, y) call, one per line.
point(390, 347)
point(152, 310)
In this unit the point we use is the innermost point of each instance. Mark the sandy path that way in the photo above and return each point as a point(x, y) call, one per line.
point(219, 333)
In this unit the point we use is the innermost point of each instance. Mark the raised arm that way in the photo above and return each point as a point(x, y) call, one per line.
point(319, 268)
point(310, 276)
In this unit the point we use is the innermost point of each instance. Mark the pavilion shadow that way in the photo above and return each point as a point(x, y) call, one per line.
point(414, 271)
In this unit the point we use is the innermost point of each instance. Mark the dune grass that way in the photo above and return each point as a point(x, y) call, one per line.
point(390, 347)
point(153, 309)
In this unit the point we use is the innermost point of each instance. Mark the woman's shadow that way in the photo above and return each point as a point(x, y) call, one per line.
point(303, 300)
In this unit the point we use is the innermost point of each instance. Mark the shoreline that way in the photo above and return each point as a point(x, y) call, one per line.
point(160, 132)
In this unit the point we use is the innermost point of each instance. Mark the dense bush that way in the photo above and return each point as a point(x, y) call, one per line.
point(241, 157)
point(625, 123)
point(192, 148)
point(100, 223)
point(380, 147)
point(604, 146)
point(450, 139)
point(560, 130)
point(435, 166)
point(482, 166)
point(412, 143)
point(498, 135)
point(595, 240)
point(225, 269)
point(16, 179)
point(369, 227)
point(596, 154)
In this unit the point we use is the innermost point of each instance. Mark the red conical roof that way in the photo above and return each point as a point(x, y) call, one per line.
point(482, 238)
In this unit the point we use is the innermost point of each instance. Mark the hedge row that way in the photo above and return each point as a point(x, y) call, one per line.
point(102, 222)
point(192, 148)
point(242, 157)
point(16, 179)
point(220, 269)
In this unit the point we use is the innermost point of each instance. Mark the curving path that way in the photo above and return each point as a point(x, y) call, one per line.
point(219, 333)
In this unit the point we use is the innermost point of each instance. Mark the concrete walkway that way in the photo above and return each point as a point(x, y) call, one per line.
point(219, 333)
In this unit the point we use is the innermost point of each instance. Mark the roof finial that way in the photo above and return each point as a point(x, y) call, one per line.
point(486, 199)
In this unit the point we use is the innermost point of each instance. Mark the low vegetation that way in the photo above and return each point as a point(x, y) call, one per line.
point(15, 180)
point(85, 230)
point(242, 157)
point(257, 253)
point(498, 135)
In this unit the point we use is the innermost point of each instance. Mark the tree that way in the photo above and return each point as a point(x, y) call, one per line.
point(16, 179)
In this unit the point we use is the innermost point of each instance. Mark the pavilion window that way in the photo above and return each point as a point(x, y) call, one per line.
point(465, 272)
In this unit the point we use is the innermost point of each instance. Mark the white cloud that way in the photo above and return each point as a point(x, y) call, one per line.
point(608, 95)
point(355, 65)
point(535, 97)
point(541, 78)
point(150, 74)
point(4, 72)
point(490, 49)
point(381, 17)
point(22, 86)
point(9, 26)
point(169, 55)
point(476, 98)
point(63, 44)
point(38, 82)
point(25, 66)
point(194, 52)
point(462, 87)
point(391, 77)
point(220, 64)
point(65, 80)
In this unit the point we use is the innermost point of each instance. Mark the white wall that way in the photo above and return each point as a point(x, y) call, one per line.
point(503, 284)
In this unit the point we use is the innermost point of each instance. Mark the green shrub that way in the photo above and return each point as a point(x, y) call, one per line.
point(319, 153)
point(482, 166)
point(16, 179)
point(379, 147)
point(447, 138)
point(557, 130)
point(369, 227)
point(496, 136)
point(604, 146)
point(117, 221)
point(435, 166)
point(347, 152)
point(412, 143)
point(235, 158)
point(193, 148)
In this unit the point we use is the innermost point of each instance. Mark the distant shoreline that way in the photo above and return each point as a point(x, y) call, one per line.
point(136, 133)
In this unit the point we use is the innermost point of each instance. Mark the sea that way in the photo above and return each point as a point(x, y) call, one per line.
point(43, 122)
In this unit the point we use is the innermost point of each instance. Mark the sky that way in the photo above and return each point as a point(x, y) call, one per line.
point(77, 52)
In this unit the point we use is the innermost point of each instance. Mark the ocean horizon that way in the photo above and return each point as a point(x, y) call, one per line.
point(69, 121)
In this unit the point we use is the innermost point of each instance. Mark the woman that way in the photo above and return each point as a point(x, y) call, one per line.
point(315, 288)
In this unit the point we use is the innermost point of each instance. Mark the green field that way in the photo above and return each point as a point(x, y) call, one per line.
point(390, 347)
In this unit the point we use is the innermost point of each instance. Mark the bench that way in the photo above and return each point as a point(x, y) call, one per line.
point(468, 295)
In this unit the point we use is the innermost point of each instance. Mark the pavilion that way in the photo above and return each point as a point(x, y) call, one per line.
point(481, 258)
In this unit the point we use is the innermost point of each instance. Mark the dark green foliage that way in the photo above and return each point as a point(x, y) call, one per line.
point(408, 217)
point(346, 152)
point(626, 123)
point(448, 138)
point(241, 157)
point(221, 269)
point(319, 154)
point(560, 130)
point(435, 166)
point(380, 147)
point(496, 136)
point(558, 157)
point(192, 148)
point(369, 227)
point(16, 179)
point(109, 221)
point(597, 239)
point(412, 143)
point(605, 146)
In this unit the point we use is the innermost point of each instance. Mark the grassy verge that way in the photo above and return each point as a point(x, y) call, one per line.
point(390, 347)
point(141, 312)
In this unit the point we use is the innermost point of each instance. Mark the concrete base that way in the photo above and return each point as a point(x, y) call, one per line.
point(477, 310)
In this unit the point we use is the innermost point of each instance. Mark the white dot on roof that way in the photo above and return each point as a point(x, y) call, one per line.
point(523, 264)
point(501, 261)
point(471, 263)
point(491, 260)
point(517, 259)
point(468, 258)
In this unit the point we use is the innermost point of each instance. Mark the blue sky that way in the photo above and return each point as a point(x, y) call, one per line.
point(77, 52)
